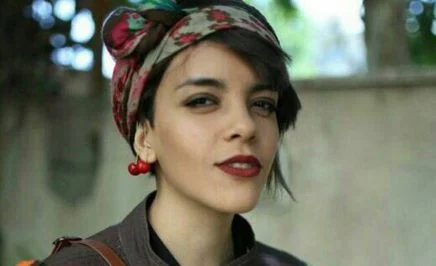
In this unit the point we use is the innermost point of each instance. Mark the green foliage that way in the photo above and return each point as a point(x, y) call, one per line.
point(294, 32)
point(423, 42)
point(286, 7)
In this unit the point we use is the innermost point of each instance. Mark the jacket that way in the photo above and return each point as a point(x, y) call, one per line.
point(135, 242)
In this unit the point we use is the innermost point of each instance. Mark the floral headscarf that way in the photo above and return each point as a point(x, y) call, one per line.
point(160, 28)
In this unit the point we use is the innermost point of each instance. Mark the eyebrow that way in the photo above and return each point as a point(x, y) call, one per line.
point(220, 84)
point(203, 82)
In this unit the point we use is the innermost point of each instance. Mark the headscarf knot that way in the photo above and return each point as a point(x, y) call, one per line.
point(126, 30)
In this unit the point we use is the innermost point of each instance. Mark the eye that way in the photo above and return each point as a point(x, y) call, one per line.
point(200, 101)
point(265, 107)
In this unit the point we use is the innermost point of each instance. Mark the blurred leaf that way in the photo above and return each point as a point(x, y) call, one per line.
point(286, 6)
point(423, 43)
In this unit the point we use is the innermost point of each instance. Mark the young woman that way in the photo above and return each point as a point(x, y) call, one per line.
point(202, 96)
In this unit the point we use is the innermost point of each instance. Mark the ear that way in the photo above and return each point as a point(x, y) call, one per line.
point(143, 142)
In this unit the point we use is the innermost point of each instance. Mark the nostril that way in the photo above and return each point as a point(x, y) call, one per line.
point(241, 125)
point(248, 137)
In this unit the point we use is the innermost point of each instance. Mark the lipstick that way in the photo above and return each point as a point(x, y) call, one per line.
point(241, 166)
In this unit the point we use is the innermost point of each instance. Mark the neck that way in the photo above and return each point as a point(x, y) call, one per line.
point(193, 233)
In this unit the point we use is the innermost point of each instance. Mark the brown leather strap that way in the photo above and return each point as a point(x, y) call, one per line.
point(104, 250)
point(62, 242)
point(111, 258)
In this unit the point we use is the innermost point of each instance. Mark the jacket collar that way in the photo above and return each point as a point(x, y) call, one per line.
point(135, 238)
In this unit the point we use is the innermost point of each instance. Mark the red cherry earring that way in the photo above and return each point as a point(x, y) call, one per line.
point(140, 167)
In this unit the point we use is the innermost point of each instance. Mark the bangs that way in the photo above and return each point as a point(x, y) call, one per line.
point(269, 62)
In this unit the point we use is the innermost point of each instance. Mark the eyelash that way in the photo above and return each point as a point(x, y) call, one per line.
point(200, 102)
point(270, 106)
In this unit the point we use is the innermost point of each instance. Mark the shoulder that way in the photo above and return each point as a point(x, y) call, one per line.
point(273, 256)
point(83, 255)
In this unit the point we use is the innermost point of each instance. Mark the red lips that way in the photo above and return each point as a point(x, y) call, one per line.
point(251, 171)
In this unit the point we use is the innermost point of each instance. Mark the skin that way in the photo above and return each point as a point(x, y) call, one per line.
point(206, 111)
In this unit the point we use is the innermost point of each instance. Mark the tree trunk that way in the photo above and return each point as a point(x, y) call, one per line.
point(385, 34)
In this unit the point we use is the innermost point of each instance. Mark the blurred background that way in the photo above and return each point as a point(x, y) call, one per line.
point(361, 161)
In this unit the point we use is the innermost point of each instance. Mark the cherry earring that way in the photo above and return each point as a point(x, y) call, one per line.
point(140, 167)
point(133, 169)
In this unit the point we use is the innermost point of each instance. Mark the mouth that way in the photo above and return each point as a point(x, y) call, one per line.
point(241, 166)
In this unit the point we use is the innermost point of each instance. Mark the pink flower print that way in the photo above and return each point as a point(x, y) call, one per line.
point(181, 23)
point(187, 38)
point(120, 32)
point(219, 16)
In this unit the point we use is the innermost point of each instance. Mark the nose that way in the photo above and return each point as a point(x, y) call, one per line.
point(241, 124)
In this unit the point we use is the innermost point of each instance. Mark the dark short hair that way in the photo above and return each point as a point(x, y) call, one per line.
point(270, 64)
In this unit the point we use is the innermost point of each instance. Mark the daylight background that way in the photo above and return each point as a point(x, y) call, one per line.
point(361, 161)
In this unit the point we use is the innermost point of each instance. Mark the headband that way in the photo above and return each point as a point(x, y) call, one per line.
point(138, 39)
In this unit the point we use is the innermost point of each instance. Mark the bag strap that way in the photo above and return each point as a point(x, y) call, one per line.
point(111, 258)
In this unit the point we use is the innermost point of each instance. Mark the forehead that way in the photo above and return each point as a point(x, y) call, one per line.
point(210, 59)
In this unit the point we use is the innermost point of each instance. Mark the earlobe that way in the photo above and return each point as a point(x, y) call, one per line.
point(142, 142)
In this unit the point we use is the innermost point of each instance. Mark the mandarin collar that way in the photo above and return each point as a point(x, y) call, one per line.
point(134, 236)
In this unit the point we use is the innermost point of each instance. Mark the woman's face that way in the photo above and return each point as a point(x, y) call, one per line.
point(210, 107)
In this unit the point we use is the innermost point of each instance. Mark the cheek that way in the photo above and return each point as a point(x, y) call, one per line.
point(269, 135)
point(269, 144)
point(182, 139)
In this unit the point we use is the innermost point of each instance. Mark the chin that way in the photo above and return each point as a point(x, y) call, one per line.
point(244, 208)
point(237, 201)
